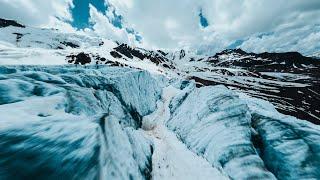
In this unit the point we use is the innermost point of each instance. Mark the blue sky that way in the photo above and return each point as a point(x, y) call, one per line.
point(168, 24)
point(80, 15)
point(203, 20)
point(80, 12)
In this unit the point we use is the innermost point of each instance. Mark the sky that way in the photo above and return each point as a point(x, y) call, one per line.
point(204, 26)
point(80, 12)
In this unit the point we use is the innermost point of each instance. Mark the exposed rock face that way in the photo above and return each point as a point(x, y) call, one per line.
point(275, 62)
point(81, 58)
point(289, 80)
point(157, 57)
point(115, 54)
point(19, 36)
point(70, 44)
point(6, 23)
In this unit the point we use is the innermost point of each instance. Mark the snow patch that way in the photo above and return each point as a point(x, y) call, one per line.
point(171, 159)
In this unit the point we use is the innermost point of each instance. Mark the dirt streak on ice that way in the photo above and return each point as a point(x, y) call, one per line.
point(171, 158)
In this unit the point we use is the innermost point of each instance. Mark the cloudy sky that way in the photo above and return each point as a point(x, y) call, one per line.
point(203, 25)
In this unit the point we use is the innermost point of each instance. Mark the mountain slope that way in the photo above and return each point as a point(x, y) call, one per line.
point(288, 80)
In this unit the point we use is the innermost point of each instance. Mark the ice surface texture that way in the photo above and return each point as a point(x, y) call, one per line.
point(246, 137)
point(74, 123)
point(68, 122)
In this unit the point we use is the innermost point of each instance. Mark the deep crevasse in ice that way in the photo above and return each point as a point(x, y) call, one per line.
point(85, 123)
point(245, 136)
point(171, 158)
point(214, 123)
point(289, 146)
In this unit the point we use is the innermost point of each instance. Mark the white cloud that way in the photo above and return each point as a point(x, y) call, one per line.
point(305, 40)
point(175, 23)
point(103, 28)
point(36, 12)
point(171, 24)
point(161, 23)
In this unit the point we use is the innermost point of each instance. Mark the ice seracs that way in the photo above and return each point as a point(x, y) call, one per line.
point(127, 123)
point(86, 123)
point(215, 124)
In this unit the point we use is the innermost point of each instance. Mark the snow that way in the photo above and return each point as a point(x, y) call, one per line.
point(34, 56)
point(44, 38)
point(35, 108)
point(290, 76)
point(171, 158)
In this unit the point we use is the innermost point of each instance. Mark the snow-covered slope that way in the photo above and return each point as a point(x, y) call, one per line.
point(316, 55)
point(288, 80)
point(131, 113)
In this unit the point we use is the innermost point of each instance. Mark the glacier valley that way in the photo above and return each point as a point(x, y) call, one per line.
point(100, 109)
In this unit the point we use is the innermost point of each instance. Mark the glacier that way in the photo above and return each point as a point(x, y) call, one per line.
point(74, 106)
point(86, 125)
point(120, 123)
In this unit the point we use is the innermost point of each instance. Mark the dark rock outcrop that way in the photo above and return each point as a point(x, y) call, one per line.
point(289, 80)
point(70, 44)
point(81, 58)
point(6, 23)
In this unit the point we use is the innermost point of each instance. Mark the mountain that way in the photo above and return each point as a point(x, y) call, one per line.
point(288, 80)
point(6, 23)
point(316, 55)
point(75, 106)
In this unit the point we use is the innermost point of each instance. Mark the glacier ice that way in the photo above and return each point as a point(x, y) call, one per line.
point(99, 122)
point(215, 124)
point(289, 148)
point(49, 149)
point(84, 121)
point(245, 136)
point(171, 158)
